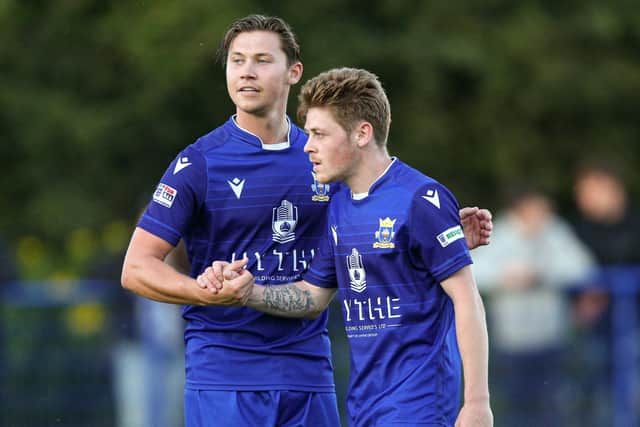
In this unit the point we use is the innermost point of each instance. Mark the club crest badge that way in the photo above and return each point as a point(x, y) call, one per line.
point(285, 219)
point(321, 191)
point(357, 275)
point(385, 234)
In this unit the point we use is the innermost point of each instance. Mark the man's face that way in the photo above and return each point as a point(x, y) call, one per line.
point(333, 152)
point(258, 77)
point(599, 196)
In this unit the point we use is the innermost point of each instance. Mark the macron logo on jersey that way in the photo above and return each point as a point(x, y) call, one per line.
point(236, 185)
point(432, 197)
point(165, 195)
point(182, 163)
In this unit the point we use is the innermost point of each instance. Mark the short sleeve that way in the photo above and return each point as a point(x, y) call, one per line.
point(322, 271)
point(177, 197)
point(436, 241)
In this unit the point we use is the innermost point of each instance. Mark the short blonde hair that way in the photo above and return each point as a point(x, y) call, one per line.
point(352, 95)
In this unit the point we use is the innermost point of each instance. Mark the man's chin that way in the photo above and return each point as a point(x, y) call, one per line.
point(252, 109)
point(324, 179)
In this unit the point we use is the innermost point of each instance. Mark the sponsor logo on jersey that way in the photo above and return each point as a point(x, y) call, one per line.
point(357, 275)
point(277, 265)
point(385, 233)
point(321, 191)
point(183, 162)
point(165, 195)
point(285, 219)
point(236, 185)
point(432, 197)
point(371, 309)
point(450, 235)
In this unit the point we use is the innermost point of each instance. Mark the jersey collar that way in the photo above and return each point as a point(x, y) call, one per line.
point(378, 182)
point(255, 140)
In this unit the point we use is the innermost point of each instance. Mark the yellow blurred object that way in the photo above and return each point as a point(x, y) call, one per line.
point(115, 236)
point(81, 245)
point(31, 257)
point(85, 319)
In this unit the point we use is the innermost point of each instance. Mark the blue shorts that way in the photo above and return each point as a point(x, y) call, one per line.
point(206, 408)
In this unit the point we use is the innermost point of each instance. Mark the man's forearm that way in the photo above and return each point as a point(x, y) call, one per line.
point(152, 278)
point(290, 300)
point(473, 344)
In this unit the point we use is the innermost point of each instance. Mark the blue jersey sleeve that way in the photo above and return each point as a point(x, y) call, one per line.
point(437, 242)
point(322, 271)
point(177, 197)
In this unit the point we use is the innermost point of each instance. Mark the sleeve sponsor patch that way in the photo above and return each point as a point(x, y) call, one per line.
point(165, 195)
point(450, 235)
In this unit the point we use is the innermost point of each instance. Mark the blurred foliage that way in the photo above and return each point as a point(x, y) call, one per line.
point(98, 97)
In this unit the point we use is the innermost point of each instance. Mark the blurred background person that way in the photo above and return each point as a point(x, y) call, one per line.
point(609, 224)
point(525, 273)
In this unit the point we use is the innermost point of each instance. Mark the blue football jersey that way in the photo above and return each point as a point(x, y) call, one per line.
point(228, 197)
point(388, 253)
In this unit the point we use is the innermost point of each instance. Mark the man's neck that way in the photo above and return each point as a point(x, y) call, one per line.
point(370, 169)
point(271, 129)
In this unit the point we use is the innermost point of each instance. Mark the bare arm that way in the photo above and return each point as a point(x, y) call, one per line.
point(145, 273)
point(471, 329)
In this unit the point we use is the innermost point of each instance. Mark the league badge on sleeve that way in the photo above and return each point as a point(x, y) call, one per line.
point(165, 195)
point(385, 234)
point(450, 235)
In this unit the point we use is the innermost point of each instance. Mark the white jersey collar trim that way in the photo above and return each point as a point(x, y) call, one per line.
point(360, 196)
point(269, 147)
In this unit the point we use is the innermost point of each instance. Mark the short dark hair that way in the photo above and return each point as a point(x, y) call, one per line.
point(351, 95)
point(288, 41)
point(603, 166)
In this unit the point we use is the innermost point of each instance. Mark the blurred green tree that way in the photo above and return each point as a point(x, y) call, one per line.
point(98, 97)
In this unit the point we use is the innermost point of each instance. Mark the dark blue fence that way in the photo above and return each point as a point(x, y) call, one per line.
point(56, 340)
point(623, 283)
point(55, 363)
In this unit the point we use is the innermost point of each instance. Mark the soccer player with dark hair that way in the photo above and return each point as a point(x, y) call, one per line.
point(246, 190)
point(395, 249)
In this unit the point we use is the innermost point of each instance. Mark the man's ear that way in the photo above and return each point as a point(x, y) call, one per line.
point(295, 73)
point(364, 134)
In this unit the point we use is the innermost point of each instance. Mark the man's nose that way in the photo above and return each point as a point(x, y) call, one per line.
point(308, 147)
point(248, 70)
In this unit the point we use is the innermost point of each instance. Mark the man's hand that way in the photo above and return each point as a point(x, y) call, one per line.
point(475, 414)
point(477, 226)
point(230, 282)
